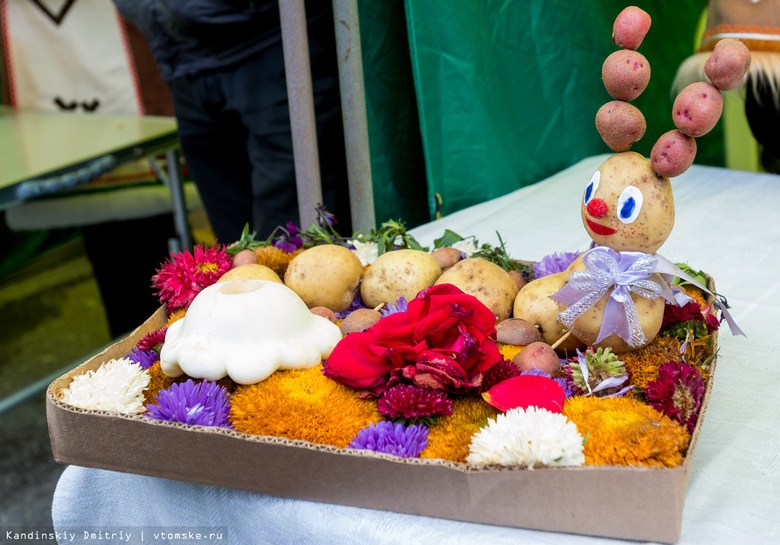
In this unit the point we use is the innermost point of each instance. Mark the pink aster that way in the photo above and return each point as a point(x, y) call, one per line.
point(185, 274)
point(153, 340)
point(413, 403)
point(677, 393)
point(501, 371)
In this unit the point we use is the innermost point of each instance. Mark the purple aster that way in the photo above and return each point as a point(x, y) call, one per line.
point(392, 438)
point(535, 372)
point(144, 358)
point(400, 306)
point(413, 402)
point(202, 404)
point(554, 263)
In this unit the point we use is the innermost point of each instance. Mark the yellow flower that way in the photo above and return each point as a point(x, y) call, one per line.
point(304, 405)
point(509, 351)
point(642, 365)
point(624, 431)
point(176, 316)
point(275, 258)
point(449, 437)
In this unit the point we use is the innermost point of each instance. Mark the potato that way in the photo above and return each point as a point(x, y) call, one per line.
point(533, 304)
point(486, 281)
point(326, 275)
point(518, 278)
point(398, 273)
point(630, 27)
point(729, 62)
point(446, 257)
point(250, 271)
point(626, 74)
point(673, 154)
point(697, 109)
point(517, 331)
point(325, 313)
point(620, 124)
point(604, 213)
point(540, 356)
point(244, 257)
point(359, 320)
point(649, 311)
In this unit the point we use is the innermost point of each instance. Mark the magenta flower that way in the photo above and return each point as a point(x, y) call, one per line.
point(677, 393)
point(153, 339)
point(186, 274)
point(414, 403)
point(204, 403)
point(501, 371)
point(392, 438)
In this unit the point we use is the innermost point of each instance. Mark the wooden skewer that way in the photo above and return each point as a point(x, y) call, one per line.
point(559, 341)
point(380, 305)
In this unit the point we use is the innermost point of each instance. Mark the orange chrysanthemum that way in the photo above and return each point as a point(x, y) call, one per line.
point(304, 405)
point(158, 381)
point(642, 365)
point(449, 438)
point(275, 259)
point(175, 316)
point(624, 431)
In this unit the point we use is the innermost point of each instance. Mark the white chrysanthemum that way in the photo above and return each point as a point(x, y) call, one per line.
point(532, 437)
point(367, 252)
point(117, 385)
point(467, 246)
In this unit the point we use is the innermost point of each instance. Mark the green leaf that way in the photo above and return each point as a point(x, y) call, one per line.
point(447, 239)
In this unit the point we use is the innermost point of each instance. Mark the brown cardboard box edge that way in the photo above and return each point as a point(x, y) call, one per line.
point(632, 503)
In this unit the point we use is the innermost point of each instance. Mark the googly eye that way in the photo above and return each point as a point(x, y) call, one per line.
point(629, 204)
point(593, 185)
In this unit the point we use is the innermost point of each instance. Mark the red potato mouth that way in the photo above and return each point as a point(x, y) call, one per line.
point(600, 229)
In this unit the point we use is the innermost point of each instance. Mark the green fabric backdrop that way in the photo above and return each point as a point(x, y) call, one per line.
point(508, 90)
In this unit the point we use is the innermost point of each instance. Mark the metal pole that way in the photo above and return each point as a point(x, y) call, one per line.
point(295, 43)
point(353, 105)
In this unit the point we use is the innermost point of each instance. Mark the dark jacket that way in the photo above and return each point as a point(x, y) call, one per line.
point(189, 37)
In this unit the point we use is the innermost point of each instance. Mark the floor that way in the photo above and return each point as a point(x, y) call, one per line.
point(51, 315)
point(51, 319)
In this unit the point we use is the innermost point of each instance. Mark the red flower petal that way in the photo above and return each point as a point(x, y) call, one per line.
point(526, 391)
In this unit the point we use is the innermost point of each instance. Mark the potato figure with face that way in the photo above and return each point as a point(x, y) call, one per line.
point(627, 206)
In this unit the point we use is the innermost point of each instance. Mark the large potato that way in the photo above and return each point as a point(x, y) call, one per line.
point(533, 304)
point(250, 271)
point(486, 281)
point(325, 276)
point(628, 206)
point(649, 311)
point(399, 273)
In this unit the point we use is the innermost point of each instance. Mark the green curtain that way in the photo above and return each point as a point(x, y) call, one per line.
point(397, 162)
point(507, 90)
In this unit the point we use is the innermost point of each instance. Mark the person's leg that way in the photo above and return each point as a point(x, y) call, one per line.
point(213, 142)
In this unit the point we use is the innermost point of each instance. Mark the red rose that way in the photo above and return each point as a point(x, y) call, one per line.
point(444, 341)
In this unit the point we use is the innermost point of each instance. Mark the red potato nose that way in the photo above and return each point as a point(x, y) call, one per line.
point(597, 208)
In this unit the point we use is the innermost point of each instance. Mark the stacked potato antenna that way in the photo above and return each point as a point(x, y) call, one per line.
point(696, 109)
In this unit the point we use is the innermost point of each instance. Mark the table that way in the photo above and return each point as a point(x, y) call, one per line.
point(45, 153)
point(728, 224)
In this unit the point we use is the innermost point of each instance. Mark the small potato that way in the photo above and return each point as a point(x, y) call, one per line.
point(631, 27)
point(518, 278)
point(697, 109)
point(620, 125)
point(244, 257)
point(250, 271)
point(325, 313)
point(326, 275)
point(359, 320)
point(486, 281)
point(728, 64)
point(626, 74)
point(673, 154)
point(446, 257)
point(534, 305)
point(538, 355)
point(398, 273)
point(517, 331)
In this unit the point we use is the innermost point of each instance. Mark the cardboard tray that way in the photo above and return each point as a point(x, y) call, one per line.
point(634, 503)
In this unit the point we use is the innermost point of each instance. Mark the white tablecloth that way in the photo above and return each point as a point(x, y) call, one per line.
point(728, 224)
